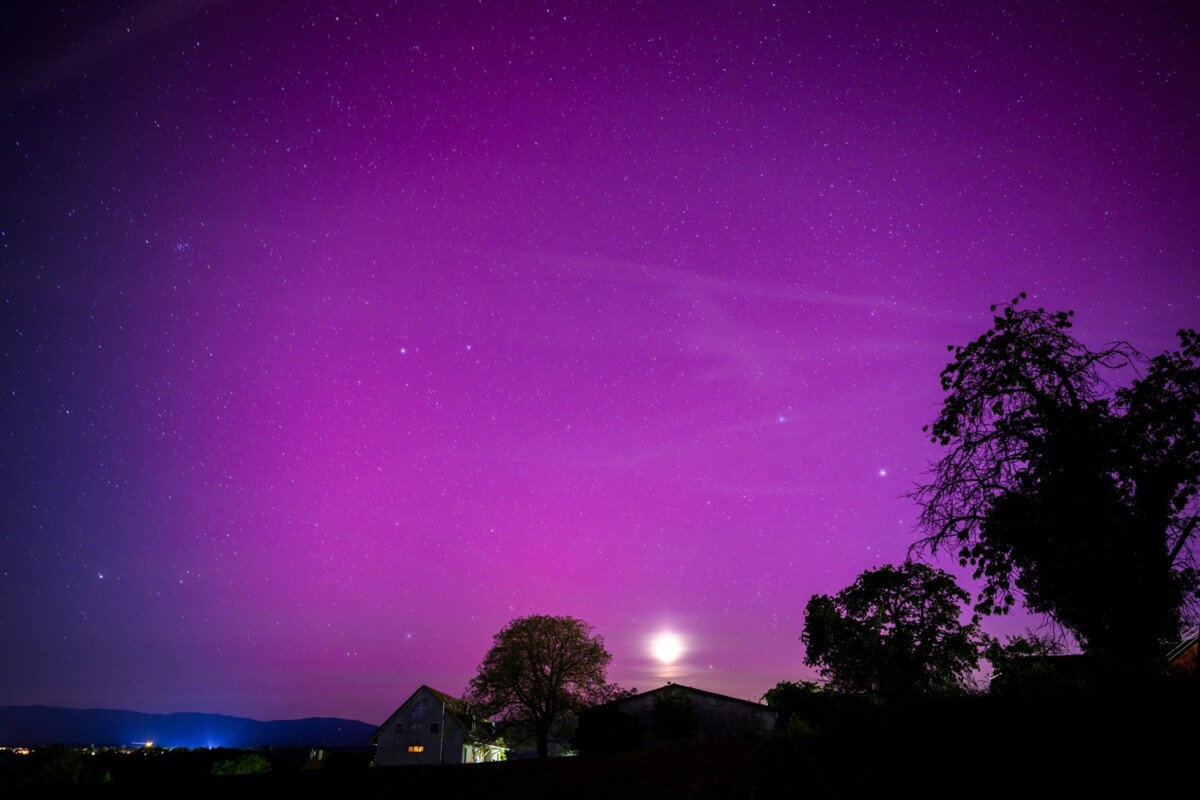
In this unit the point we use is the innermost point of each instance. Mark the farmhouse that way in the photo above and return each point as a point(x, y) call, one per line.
point(673, 714)
point(432, 727)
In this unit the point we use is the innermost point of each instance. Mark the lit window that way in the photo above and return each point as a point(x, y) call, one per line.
point(416, 748)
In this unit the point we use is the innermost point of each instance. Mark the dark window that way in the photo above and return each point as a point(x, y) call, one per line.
point(435, 727)
point(399, 727)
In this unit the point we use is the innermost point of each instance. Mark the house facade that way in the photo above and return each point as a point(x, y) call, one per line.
point(432, 727)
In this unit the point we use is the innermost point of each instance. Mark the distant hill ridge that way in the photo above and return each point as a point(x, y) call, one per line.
point(33, 725)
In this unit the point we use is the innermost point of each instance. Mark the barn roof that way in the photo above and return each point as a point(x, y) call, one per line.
point(677, 686)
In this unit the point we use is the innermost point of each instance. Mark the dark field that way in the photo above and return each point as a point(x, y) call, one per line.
point(969, 748)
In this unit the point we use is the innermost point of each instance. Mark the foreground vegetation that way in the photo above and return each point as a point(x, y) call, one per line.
point(980, 744)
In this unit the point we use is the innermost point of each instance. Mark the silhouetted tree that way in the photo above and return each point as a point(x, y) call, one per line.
point(55, 765)
point(673, 716)
point(894, 632)
point(803, 706)
point(1057, 489)
point(808, 709)
point(1035, 668)
point(804, 699)
point(540, 671)
point(246, 764)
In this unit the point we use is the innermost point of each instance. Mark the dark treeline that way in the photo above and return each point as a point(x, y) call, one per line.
point(979, 744)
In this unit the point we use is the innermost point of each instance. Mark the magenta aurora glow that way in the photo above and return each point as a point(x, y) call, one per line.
point(336, 335)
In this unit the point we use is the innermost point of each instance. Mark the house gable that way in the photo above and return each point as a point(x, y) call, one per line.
point(430, 727)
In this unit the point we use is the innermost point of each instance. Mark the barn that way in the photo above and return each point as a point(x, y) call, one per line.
point(672, 714)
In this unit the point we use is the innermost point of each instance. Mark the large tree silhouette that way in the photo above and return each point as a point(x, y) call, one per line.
point(539, 671)
point(894, 632)
point(1057, 488)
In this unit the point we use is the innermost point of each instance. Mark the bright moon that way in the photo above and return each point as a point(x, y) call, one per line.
point(666, 647)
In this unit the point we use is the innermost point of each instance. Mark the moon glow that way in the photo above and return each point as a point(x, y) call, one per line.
point(666, 647)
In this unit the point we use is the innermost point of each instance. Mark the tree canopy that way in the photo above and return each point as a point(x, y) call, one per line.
point(803, 706)
point(539, 671)
point(673, 715)
point(894, 632)
point(1062, 491)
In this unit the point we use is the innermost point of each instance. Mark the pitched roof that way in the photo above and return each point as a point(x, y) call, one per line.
point(675, 686)
point(456, 709)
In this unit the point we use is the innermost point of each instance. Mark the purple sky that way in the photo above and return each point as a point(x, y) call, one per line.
point(336, 335)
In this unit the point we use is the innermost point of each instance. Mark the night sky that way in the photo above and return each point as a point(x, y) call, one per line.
point(336, 335)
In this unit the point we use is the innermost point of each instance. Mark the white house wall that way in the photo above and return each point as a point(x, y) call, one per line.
point(417, 742)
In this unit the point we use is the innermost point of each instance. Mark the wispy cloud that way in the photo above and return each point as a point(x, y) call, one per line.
point(693, 284)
